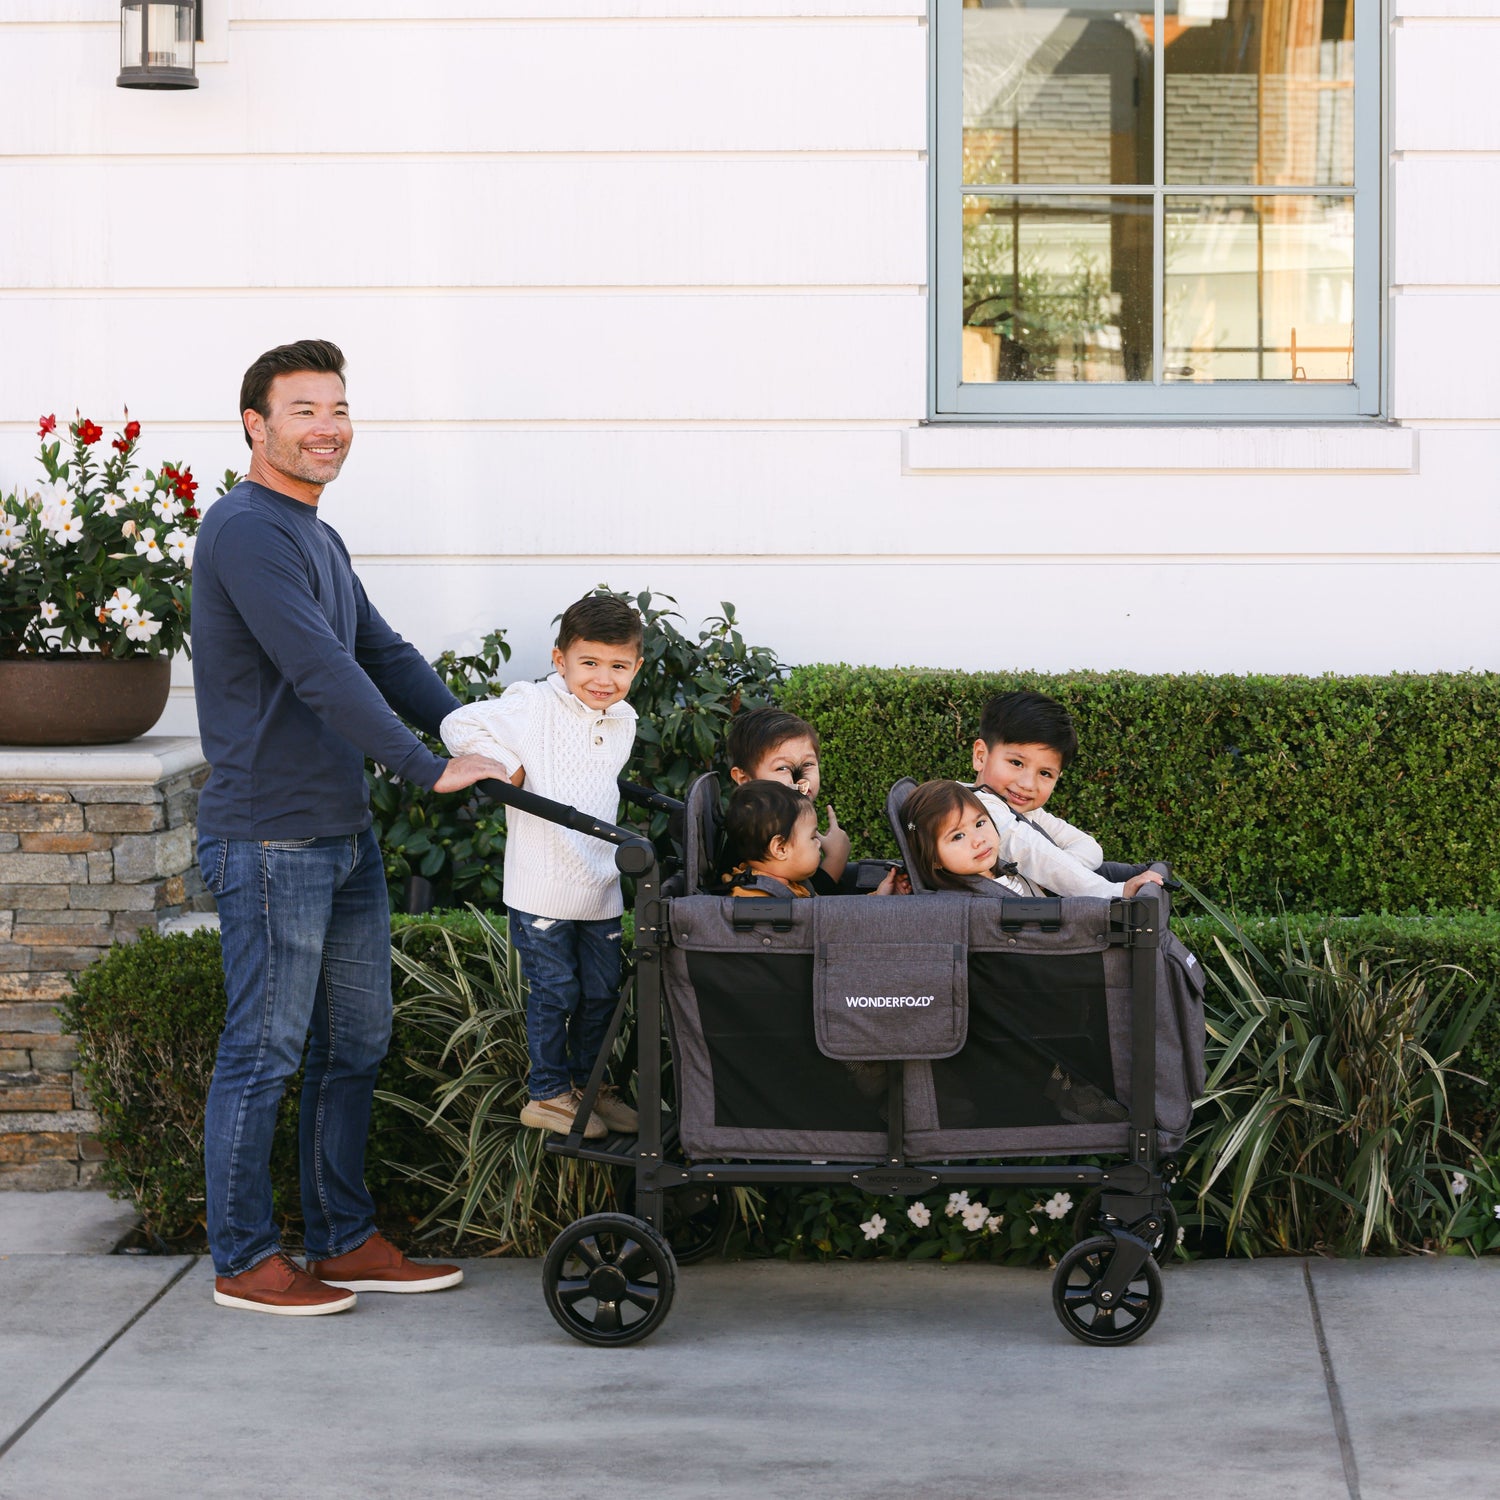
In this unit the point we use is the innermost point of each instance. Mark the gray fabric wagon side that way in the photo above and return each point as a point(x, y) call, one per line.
point(1012, 1040)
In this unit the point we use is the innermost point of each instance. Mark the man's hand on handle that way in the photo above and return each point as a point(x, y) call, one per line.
point(465, 770)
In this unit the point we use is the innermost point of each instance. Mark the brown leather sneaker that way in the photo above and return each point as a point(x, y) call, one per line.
point(615, 1112)
point(279, 1285)
point(378, 1266)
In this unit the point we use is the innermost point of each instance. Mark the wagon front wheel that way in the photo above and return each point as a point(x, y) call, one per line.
point(608, 1279)
point(1077, 1293)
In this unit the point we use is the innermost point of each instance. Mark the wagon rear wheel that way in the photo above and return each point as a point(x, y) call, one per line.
point(608, 1279)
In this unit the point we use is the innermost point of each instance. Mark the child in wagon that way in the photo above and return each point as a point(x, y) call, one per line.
point(955, 846)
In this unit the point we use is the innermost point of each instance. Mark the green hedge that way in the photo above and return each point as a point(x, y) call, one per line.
point(1341, 794)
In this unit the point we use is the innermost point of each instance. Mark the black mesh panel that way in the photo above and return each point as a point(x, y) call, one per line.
point(756, 1011)
point(1038, 1047)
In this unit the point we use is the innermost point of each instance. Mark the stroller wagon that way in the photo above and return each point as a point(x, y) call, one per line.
point(901, 1045)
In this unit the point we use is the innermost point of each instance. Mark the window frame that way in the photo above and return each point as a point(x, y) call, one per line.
point(949, 398)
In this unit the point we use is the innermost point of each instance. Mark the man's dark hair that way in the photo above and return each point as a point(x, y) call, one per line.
point(760, 811)
point(754, 735)
point(1027, 718)
point(285, 359)
point(605, 618)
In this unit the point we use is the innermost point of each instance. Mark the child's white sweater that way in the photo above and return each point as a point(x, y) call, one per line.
point(1065, 863)
point(572, 753)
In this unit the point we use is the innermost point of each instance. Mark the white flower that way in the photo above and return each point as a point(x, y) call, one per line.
point(1497, 1210)
point(68, 529)
point(12, 533)
point(143, 627)
point(56, 509)
point(121, 606)
point(921, 1215)
point(112, 506)
point(1036, 1208)
point(975, 1215)
point(1033, 1229)
point(1058, 1205)
point(48, 611)
point(957, 1203)
point(1182, 1233)
point(994, 1222)
point(6, 564)
point(137, 489)
point(1460, 1184)
point(180, 546)
point(873, 1227)
point(166, 507)
point(146, 545)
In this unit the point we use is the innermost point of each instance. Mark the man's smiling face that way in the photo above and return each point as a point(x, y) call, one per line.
point(307, 430)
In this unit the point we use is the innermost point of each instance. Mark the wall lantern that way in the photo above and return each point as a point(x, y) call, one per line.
point(157, 42)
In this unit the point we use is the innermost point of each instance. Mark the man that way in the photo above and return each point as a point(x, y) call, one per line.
point(298, 679)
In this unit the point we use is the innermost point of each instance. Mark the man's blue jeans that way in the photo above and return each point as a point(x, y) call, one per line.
point(572, 970)
point(306, 937)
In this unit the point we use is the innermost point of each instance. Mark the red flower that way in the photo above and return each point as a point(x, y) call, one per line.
point(191, 513)
point(120, 445)
point(184, 485)
point(48, 424)
point(89, 433)
point(132, 431)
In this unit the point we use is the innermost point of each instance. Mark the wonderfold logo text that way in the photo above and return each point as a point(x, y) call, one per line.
point(887, 1002)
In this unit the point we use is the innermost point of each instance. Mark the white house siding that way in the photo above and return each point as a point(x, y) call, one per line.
point(636, 293)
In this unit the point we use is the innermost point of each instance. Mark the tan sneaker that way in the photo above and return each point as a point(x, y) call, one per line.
point(279, 1285)
point(557, 1115)
point(378, 1266)
point(615, 1112)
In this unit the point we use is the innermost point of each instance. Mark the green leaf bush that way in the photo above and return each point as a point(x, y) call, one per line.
point(1340, 794)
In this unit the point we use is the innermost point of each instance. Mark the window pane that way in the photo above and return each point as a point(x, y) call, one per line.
point(1056, 289)
point(1260, 92)
point(1056, 95)
point(1259, 289)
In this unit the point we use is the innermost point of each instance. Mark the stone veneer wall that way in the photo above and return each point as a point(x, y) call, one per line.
point(96, 845)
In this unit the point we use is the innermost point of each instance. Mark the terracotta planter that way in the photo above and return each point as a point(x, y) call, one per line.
point(80, 699)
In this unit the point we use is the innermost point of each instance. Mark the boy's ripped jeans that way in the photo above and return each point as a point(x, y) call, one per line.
point(572, 970)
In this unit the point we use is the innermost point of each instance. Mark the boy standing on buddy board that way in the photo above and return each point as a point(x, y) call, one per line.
point(567, 738)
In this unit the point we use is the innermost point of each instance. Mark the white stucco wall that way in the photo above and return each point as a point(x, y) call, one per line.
point(635, 292)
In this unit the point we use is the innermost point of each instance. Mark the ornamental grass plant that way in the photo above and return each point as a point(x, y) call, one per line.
point(99, 557)
point(1326, 1122)
point(464, 1006)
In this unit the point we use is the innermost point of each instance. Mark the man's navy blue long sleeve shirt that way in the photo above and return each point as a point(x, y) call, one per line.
point(297, 677)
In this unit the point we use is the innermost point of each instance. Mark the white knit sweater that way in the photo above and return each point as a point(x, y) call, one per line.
point(572, 753)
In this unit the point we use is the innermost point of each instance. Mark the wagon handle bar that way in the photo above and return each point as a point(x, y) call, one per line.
point(645, 796)
point(634, 854)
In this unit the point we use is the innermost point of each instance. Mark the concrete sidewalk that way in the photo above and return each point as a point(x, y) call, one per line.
point(1286, 1379)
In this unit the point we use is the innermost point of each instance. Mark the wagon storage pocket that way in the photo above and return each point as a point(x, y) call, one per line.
point(876, 1002)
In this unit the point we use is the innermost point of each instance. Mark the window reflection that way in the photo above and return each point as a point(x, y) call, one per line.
point(1259, 289)
point(1057, 289)
point(1260, 92)
point(1057, 94)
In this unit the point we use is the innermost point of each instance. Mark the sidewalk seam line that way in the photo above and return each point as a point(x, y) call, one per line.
point(92, 1360)
point(1330, 1380)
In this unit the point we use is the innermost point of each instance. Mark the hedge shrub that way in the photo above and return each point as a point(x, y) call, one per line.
point(1340, 794)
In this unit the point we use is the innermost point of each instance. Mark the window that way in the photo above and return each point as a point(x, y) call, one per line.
point(1157, 208)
